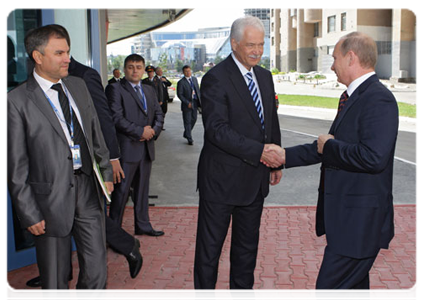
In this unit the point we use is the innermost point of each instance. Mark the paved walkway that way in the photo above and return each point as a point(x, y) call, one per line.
point(289, 253)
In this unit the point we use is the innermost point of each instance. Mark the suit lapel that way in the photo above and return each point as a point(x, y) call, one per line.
point(36, 94)
point(128, 87)
point(353, 99)
point(241, 87)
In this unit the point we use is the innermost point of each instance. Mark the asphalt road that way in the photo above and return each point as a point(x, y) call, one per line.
point(174, 175)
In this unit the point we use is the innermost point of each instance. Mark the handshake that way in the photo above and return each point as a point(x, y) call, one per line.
point(273, 156)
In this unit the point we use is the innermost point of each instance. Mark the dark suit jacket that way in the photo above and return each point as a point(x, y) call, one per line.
point(184, 92)
point(130, 119)
point(355, 206)
point(111, 80)
point(165, 85)
point(40, 170)
point(96, 89)
point(229, 169)
point(156, 84)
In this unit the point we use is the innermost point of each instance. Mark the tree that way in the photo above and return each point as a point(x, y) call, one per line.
point(163, 62)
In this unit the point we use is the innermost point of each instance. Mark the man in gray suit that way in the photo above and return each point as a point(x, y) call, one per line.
point(54, 139)
point(189, 94)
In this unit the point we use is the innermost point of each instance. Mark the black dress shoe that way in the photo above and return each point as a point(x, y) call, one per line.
point(134, 259)
point(190, 142)
point(34, 282)
point(152, 232)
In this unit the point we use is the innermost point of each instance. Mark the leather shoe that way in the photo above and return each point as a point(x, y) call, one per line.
point(152, 232)
point(34, 282)
point(190, 142)
point(135, 259)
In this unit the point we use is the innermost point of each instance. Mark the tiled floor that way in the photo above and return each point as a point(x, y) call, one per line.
point(289, 253)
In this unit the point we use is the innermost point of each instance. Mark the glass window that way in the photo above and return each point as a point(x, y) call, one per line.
point(18, 23)
point(344, 21)
point(331, 23)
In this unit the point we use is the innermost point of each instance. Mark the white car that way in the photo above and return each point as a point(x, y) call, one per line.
point(172, 93)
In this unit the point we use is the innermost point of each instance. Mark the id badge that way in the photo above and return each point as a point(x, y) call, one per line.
point(76, 155)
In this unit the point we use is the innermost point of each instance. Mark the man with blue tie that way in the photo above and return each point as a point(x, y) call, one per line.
point(240, 121)
point(189, 93)
point(138, 119)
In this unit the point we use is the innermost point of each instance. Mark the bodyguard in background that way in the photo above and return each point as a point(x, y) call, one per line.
point(165, 83)
point(116, 76)
point(54, 137)
point(240, 121)
point(138, 119)
point(189, 93)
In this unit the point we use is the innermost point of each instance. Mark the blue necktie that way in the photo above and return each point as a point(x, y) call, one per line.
point(254, 93)
point(192, 87)
point(141, 95)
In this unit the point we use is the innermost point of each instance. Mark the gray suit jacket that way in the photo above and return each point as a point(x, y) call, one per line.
point(40, 170)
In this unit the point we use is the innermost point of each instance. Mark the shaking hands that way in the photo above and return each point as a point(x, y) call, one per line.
point(273, 156)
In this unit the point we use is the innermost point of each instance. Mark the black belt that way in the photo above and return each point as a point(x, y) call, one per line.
point(77, 171)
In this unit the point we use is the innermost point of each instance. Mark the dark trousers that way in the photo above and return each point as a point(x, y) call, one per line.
point(54, 253)
point(189, 117)
point(118, 239)
point(341, 272)
point(213, 223)
point(137, 175)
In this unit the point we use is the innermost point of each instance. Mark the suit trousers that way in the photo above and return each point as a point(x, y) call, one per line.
point(137, 176)
point(189, 117)
point(341, 272)
point(54, 253)
point(118, 239)
point(213, 223)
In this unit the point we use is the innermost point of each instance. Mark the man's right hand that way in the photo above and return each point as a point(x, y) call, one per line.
point(118, 173)
point(148, 133)
point(38, 229)
point(273, 156)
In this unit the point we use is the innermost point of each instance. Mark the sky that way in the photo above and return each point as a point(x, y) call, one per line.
point(197, 18)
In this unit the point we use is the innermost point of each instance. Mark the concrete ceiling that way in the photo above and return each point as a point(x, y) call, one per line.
point(125, 23)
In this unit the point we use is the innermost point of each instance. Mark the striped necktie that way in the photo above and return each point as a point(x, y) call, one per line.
point(141, 96)
point(254, 93)
point(342, 102)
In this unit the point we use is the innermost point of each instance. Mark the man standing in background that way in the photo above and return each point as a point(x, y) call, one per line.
point(138, 119)
point(189, 93)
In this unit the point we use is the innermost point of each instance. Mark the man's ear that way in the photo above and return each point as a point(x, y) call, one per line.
point(37, 56)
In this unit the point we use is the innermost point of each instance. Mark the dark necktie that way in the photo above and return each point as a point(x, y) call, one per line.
point(79, 138)
point(254, 93)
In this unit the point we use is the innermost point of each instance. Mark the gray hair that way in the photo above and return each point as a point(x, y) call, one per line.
point(362, 45)
point(238, 26)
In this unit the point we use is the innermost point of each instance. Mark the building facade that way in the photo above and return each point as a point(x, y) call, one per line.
point(303, 39)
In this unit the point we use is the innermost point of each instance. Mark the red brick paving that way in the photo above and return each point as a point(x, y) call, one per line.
point(289, 253)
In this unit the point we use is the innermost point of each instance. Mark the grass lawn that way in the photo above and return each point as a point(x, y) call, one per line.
point(405, 110)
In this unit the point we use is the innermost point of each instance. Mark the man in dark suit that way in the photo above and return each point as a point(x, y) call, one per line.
point(165, 83)
point(54, 137)
point(189, 93)
point(355, 204)
point(116, 76)
point(154, 81)
point(231, 180)
point(138, 119)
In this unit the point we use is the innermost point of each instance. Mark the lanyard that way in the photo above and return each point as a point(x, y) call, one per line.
point(70, 126)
